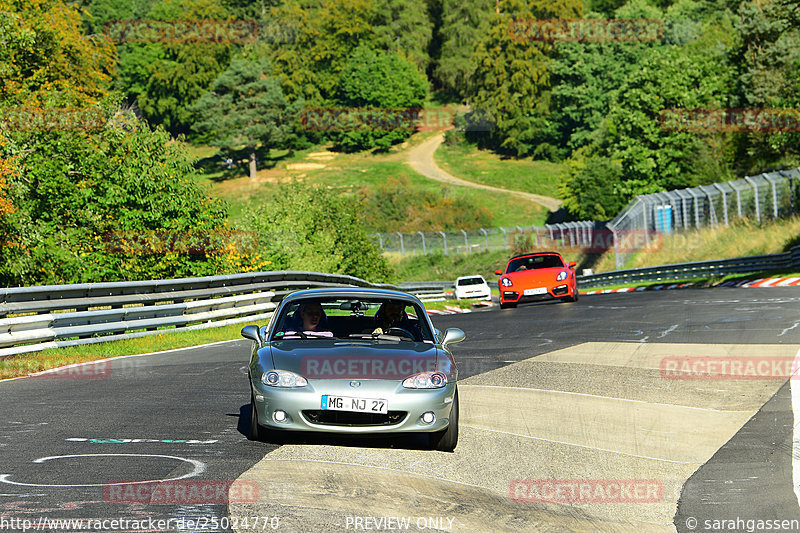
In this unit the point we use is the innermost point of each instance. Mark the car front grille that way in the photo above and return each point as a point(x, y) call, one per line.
point(563, 289)
point(347, 418)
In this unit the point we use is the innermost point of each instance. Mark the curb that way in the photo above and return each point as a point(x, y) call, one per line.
point(747, 283)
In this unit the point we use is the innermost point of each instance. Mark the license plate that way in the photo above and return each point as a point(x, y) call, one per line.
point(531, 292)
point(357, 405)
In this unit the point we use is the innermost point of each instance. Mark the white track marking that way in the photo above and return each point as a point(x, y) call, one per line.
point(782, 333)
point(795, 389)
point(198, 469)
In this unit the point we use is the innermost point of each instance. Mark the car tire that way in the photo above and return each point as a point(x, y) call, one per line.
point(257, 431)
point(507, 305)
point(447, 439)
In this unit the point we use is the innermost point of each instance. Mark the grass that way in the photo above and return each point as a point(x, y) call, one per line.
point(347, 173)
point(483, 166)
point(21, 365)
point(743, 238)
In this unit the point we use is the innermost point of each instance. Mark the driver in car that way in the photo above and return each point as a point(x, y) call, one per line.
point(393, 315)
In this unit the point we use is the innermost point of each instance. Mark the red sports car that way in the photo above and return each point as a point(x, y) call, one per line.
point(537, 276)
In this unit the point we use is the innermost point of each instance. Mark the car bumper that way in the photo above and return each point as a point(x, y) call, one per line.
point(482, 295)
point(510, 295)
point(303, 413)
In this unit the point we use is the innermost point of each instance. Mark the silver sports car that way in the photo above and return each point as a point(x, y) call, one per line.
point(353, 361)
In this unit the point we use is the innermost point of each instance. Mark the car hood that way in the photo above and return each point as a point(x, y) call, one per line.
point(350, 359)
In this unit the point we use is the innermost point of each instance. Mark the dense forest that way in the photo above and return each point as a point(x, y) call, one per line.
point(94, 93)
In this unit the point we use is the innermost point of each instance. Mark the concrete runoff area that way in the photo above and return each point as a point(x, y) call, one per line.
point(590, 422)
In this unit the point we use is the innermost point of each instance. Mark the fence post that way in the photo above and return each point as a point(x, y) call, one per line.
point(486, 238)
point(424, 251)
point(380, 240)
point(444, 239)
point(505, 238)
point(755, 191)
point(774, 195)
point(466, 242)
point(724, 201)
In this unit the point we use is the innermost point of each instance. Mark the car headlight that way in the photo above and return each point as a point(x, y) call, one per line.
point(505, 282)
point(562, 275)
point(282, 378)
point(426, 380)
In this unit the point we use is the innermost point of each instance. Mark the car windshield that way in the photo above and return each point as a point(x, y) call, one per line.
point(534, 261)
point(353, 318)
point(470, 281)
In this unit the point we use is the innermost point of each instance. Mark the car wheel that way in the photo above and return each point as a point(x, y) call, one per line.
point(507, 305)
point(446, 440)
point(257, 432)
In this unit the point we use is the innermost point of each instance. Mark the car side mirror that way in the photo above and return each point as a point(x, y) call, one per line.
point(499, 271)
point(453, 335)
point(251, 332)
point(572, 264)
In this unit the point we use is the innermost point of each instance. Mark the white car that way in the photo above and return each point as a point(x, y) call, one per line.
point(472, 287)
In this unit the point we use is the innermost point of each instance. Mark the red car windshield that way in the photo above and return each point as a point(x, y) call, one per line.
point(534, 261)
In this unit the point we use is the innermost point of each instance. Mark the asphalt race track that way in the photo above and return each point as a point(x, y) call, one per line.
point(573, 418)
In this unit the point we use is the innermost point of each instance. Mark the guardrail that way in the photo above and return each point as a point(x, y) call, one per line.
point(700, 269)
point(37, 318)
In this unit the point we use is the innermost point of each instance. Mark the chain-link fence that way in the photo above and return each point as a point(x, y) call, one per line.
point(766, 196)
point(550, 236)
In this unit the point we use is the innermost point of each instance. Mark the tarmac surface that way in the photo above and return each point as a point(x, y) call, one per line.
point(574, 417)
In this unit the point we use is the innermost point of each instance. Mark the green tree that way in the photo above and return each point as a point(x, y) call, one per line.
point(165, 79)
point(405, 27)
point(512, 78)
point(768, 78)
point(464, 23)
point(311, 228)
point(379, 80)
point(246, 107)
point(46, 60)
point(116, 203)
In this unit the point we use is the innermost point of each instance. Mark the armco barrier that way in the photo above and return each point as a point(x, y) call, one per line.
point(67, 315)
point(701, 269)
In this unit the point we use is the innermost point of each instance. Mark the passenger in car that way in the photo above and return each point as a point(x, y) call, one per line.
point(310, 319)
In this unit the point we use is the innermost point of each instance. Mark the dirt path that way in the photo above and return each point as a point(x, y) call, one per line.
point(421, 160)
